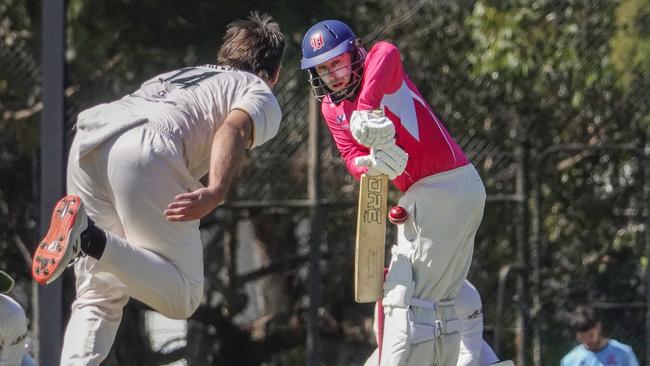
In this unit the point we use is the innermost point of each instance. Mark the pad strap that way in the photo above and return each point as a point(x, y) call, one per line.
point(424, 324)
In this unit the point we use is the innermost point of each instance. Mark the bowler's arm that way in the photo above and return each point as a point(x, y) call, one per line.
point(229, 146)
point(228, 150)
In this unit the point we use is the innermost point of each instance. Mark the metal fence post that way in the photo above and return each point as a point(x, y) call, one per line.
point(521, 155)
point(646, 208)
point(313, 337)
point(48, 322)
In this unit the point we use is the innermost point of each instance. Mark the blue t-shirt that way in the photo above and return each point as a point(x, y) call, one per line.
point(614, 354)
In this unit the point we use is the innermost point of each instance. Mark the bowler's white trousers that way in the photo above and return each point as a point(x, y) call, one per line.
point(125, 184)
point(430, 262)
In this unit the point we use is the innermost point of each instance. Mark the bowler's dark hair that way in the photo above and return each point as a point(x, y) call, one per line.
point(255, 45)
point(583, 318)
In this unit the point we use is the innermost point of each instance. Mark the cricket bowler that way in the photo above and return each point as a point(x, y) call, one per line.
point(131, 220)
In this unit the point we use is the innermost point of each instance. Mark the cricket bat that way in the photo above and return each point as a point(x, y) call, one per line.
point(370, 238)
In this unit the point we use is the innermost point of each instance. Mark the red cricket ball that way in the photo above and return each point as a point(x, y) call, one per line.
point(398, 215)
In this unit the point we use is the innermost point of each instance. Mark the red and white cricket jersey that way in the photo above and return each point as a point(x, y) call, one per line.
point(418, 130)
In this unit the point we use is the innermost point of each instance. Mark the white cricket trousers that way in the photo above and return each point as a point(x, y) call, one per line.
point(125, 184)
point(430, 262)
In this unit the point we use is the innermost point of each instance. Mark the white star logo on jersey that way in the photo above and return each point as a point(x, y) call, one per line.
point(402, 104)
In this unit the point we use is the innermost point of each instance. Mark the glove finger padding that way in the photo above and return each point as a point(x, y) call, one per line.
point(384, 145)
point(394, 158)
point(386, 169)
point(378, 138)
point(370, 130)
point(391, 161)
point(367, 161)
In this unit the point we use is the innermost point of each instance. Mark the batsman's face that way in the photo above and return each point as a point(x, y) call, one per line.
point(336, 72)
point(591, 339)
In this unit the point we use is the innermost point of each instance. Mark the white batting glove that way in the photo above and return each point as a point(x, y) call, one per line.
point(390, 161)
point(371, 130)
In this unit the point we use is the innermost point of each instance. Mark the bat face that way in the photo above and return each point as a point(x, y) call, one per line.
point(370, 238)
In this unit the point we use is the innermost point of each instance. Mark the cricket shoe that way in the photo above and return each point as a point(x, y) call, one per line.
point(62, 243)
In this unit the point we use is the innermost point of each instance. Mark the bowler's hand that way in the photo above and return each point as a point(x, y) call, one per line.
point(193, 205)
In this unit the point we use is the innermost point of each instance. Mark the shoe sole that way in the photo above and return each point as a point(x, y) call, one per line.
point(57, 248)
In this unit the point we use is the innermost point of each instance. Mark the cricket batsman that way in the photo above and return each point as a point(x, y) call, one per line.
point(443, 193)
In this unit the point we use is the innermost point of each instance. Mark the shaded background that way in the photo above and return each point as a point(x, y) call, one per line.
point(549, 99)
